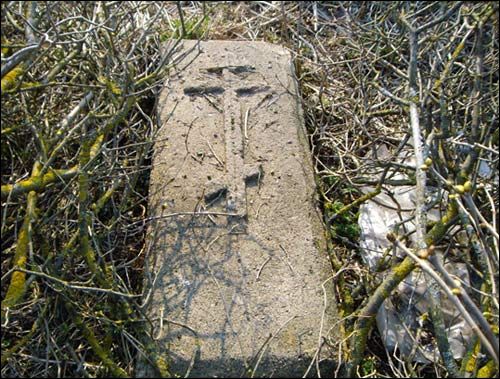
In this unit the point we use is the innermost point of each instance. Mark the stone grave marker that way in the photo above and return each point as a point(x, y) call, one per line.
point(238, 276)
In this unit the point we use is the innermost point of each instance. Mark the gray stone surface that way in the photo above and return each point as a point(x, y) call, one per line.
point(237, 252)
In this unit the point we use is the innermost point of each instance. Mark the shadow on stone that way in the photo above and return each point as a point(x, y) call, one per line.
point(237, 270)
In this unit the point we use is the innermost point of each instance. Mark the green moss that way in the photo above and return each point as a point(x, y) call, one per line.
point(403, 269)
point(99, 204)
point(345, 222)
point(366, 316)
point(160, 362)
point(83, 215)
point(162, 366)
point(30, 84)
point(6, 50)
point(16, 289)
point(9, 81)
point(111, 85)
point(469, 362)
point(17, 285)
point(343, 216)
point(96, 145)
point(36, 182)
point(367, 367)
point(348, 301)
point(439, 229)
point(488, 370)
point(103, 354)
point(195, 29)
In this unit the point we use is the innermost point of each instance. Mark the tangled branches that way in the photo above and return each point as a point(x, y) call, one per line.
point(395, 94)
point(79, 82)
point(391, 74)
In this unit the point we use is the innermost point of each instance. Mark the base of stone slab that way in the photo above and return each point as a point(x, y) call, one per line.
point(268, 367)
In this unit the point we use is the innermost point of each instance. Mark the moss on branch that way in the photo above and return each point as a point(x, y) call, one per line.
point(17, 285)
point(92, 340)
point(397, 275)
point(37, 183)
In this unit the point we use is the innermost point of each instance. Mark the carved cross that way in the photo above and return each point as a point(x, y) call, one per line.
point(237, 174)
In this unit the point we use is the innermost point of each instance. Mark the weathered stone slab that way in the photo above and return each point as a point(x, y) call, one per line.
point(238, 259)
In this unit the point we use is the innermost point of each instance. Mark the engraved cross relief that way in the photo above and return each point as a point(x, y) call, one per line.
point(237, 174)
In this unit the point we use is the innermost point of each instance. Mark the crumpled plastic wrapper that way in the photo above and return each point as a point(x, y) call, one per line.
point(402, 317)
